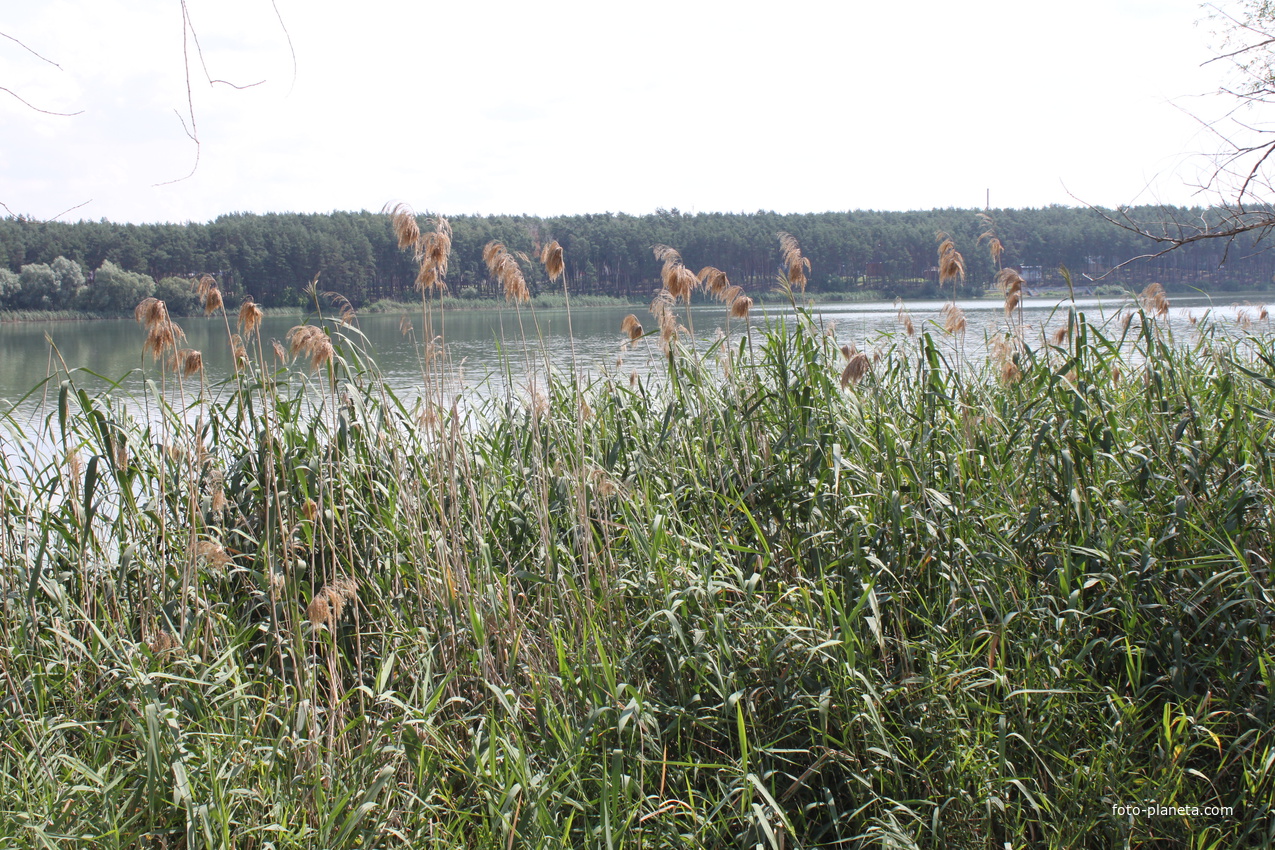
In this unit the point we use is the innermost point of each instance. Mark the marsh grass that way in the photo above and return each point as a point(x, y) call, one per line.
point(752, 603)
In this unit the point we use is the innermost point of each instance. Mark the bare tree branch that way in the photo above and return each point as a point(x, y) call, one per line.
point(29, 50)
point(193, 131)
point(291, 50)
point(71, 209)
point(38, 109)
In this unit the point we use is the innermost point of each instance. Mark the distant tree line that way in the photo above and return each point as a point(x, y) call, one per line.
point(105, 268)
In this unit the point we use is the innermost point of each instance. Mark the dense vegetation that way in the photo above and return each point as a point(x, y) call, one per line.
point(889, 253)
point(786, 595)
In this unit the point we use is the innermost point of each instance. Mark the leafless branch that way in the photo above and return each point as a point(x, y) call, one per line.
point(29, 50)
point(233, 86)
point(192, 132)
point(291, 50)
point(72, 209)
point(38, 109)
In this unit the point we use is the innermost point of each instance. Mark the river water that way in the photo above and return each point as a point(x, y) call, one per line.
point(475, 341)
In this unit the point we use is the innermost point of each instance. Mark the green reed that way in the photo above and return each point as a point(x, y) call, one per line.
point(739, 604)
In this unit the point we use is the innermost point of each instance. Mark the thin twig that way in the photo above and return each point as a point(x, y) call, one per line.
point(32, 52)
point(38, 109)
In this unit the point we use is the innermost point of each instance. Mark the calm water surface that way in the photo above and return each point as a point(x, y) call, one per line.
point(475, 339)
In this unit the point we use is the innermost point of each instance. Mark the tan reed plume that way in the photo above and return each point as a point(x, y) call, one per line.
point(161, 642)
point(905, 318)
point(857, 365)
point(1010, 283)
point(678, 280)
point(250, 315)
point(953, 319)
point(311, 342)
point(551, 257)
point(187, 361)
point(403, 221)
point(213, 553)
point(329, 603)
point(797, 265)
point(1154, 301)
point(1003, 355)
point(994, 245)
point(504, 268)
point(951, 263)
point(433, 249)
point(632, 327)
point(206, 288)
point(715, 281)
point(662, 309)
point(740, 307)
point(343, 304)
point(162, 333)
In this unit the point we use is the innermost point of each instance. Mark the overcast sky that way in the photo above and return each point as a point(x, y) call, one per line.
point(573, 107)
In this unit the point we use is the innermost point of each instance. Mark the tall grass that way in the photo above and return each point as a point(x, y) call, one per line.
point(746, 604)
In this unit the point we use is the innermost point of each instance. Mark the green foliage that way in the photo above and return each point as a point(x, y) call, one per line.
point(275, 256)
point(179, 294)
point(114, 291)
point(740, 604)
point(37, 286)
point(10, 285)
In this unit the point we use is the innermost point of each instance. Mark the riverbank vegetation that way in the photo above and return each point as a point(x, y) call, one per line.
point(796, 591)
point(891, 254)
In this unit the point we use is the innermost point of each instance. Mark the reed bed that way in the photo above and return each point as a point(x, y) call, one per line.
point(785, 596)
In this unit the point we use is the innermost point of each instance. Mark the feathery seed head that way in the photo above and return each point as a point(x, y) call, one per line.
point(212, 301)
point(551, 256)
point(150, 311)
point(797, 265)
point(403, 221)
point(953, 319)
point(857, 365)
point(187, 361)
point(714, 280)
point(951, 263)
point(632, 327)
point(249, 317)
point(1154, 301)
